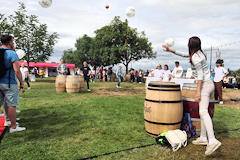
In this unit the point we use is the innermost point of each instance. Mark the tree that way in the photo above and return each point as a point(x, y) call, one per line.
point(119, 43)
point(30, 35)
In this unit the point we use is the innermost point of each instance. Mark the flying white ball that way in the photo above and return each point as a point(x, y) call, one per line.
point(20, 53)
point(45, 3)
point(130, 12)
point(169, 42)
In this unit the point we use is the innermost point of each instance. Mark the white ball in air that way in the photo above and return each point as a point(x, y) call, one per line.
point(130, 12)
point(169, 42)
point(45, 3)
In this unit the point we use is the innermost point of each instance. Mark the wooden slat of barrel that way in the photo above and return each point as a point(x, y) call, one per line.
point(60, 83)
point(81, 84)
point(163, 108)
point(73, 84)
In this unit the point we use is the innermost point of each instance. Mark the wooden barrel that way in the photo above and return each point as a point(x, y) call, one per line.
point(128, 78)
point(192, 107)
point(113, 77)
point(189, 91)
point(163, 109)
point(81, 84)
point(60, 83)
point(73, 84)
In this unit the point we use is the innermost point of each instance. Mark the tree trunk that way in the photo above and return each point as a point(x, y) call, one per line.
point(126, 68)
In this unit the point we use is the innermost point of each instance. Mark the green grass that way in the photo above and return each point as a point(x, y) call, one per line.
point(74, 126)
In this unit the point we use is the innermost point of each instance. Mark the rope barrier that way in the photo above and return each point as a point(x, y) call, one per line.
point(144, 146)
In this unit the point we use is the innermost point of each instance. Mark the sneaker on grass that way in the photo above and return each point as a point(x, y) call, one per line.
point(18, 111)
point(89, 90)
point(221, 102)
point(200, 141)
point(17, 129)
point(212, 147)
point(18, 119)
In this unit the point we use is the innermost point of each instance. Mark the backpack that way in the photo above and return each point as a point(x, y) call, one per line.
point(3, 69)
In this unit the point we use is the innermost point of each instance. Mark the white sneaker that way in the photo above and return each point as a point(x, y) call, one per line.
point(17, 129)
point(117, 86)
point(18, 111)
point(213, 147)
point(200, 141)
point(221, 102)
point(89, 90)
point(17, 119)
point(29, 88)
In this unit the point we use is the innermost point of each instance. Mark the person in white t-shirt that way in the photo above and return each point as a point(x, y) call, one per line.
point(157, 72)
point(177, 71)
point(167, 75)
point(24, 72)
point(220, 73)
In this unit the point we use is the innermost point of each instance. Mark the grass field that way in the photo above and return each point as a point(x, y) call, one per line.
point(107, 119)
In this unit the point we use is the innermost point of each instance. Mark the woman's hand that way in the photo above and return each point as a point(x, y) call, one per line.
point(166, 48)
point(197, 97)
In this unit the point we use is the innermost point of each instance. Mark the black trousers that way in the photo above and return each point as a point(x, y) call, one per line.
point(86, 78)
point(26, 80)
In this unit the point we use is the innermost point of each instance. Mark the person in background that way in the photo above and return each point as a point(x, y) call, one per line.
point(104, 75)
point(166, 76)
point(225, 81)
point(100, 74)
point(141, 76)
point(235, 82)
point(109, 74)
point(177, 71)
point(132, 77)
point(119, 75)
point(220, 73)
point(62, 68)
point(93, 74)
point(205, 87)
point(158, 72)
point(86, 72)
point(146, 73)
point(8, 84)
point(24, 72)
point(136, 75)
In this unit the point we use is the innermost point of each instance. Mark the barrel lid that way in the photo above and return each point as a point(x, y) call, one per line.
point(163, 84)
point(73, 76)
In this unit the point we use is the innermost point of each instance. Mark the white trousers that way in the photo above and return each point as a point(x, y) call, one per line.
point(206, 121)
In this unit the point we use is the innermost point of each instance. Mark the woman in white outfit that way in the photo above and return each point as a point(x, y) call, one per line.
point(205, 87)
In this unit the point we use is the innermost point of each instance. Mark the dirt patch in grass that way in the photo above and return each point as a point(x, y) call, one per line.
point(122, 92)
point(228, 94)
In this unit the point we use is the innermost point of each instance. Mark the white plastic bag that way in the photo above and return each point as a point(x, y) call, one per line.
point(177, 139)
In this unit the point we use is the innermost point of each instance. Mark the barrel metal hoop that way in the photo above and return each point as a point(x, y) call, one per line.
point(149, 100)
point(163, 123)
point(164, 86)
point(152, 133)
point(152, 89)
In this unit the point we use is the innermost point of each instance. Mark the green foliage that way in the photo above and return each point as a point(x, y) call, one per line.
point(29, 34)
point(114, 43)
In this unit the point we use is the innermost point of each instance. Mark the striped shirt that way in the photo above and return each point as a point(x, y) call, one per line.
point(199, 65)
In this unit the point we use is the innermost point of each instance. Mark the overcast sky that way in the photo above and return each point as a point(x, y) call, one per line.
point(216, 22)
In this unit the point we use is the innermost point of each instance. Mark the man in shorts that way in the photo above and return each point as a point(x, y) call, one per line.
point(8, 84)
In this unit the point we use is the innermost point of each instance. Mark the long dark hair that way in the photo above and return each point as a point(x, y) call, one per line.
point(194, 45)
